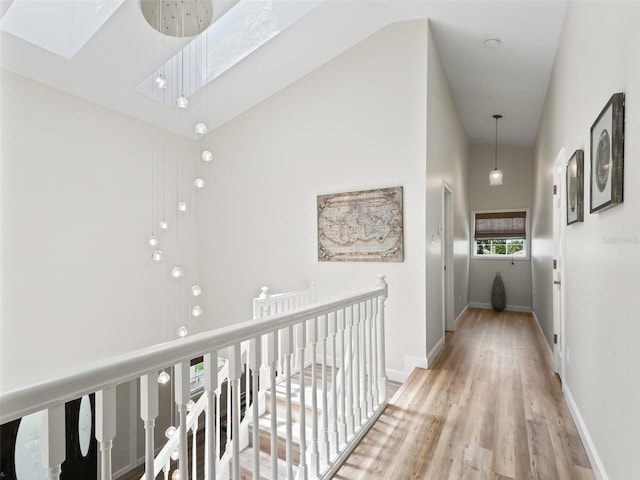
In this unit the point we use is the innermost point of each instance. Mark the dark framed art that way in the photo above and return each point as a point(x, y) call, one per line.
point(607, 155)
point(575, 188)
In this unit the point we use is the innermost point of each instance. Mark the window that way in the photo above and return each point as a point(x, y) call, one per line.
point(501, 233)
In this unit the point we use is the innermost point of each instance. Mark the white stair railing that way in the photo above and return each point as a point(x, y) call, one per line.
point(298, 332)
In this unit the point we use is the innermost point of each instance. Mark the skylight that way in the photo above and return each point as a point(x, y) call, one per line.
point(239, 32)
point(60, 27)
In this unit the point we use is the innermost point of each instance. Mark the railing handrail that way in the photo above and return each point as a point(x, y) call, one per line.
point(125, 367)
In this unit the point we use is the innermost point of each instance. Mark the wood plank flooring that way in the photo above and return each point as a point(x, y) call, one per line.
point(491, 407)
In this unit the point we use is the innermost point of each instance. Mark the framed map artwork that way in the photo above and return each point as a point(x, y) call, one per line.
point(361, 226)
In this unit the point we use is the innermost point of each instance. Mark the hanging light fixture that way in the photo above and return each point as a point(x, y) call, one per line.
point(495, 176)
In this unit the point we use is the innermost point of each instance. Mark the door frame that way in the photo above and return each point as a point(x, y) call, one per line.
point(446, 254)
point(557, 274)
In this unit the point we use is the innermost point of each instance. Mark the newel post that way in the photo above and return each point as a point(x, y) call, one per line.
point(382, 372)
point(148, 414)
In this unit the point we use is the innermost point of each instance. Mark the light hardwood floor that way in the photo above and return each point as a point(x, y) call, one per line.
point(491, 407)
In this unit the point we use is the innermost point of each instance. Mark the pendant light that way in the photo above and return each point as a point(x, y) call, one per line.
point(495, 176)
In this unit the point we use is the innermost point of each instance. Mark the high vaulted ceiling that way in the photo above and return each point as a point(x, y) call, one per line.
point(511, 79)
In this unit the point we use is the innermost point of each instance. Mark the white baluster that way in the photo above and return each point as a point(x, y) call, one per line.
point(363, 362)
point(356, 364)
point(211, 444)
point(334, 438)
point(287, 350)
point(382, 373)
point(302, 343)
point(314, 456)
point(148, 414)
point(166, 469)
point(194, 452)
point(235, 376)
point(255, 361)
point(367, 347)
point(182, 397)
point(374, 352)
point(106, 427)
point(227, 447)
point(349, 373)
point(52, 442)
point(342, 425)
point(272, 358)
point(325, 455)
point(218, 430)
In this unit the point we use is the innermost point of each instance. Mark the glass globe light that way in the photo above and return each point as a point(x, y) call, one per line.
point(196, 311)
point(207, 156)
point(152, 240)
point(182, 101)
point(174, 456)
point(170, 432)
point(201, 128)
point(163, 224)
point(177, 272)
point(199, 182)
point(183, 331)
point(157, 255)
point(196, 290)
point(190, 405)
point(182, 206)
point(161, 82)
point(164, 377)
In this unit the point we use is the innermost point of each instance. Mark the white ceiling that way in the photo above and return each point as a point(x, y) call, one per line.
point(511, 80)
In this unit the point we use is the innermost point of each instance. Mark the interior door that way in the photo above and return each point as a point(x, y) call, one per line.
point(558, 243)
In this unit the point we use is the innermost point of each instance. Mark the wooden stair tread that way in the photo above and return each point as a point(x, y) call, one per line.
point(246, 466)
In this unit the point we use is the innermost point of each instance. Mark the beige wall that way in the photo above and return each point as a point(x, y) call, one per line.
point(597, 56)
point(516, 192)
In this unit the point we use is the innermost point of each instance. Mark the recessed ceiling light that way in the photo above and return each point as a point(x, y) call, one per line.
point(492, 42)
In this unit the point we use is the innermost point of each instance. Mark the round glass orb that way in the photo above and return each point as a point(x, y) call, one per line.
point(170, 432)
point(164, 377)
point(163, 224)
point(183, 331)
point(174, 456)
point(161, 82)
point(190, 405)
point(177, 272)
point(201, 128)
point(176, 473)
point(199, 182)
point(152, 240)
point(182, 206)
point(207, 156)
point(157, 255)
point(182, 101)
point(196, 311)
point(196, 291)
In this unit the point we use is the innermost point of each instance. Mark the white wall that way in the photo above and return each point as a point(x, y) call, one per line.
point(516, 164)
point(597, 57)
point(447, 152)
point(78, 283)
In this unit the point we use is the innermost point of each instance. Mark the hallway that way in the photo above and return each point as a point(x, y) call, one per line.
point(491, 407)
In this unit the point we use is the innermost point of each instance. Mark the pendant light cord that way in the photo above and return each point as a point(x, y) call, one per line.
point(496, 149)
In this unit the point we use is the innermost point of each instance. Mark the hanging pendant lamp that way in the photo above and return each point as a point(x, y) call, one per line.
point(495, 176)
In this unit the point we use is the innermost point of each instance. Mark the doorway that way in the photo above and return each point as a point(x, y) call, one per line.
point(558, 264)
point(448, 320)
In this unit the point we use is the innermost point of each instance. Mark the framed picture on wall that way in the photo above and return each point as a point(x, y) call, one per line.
point(607, 155)
point(575, 188)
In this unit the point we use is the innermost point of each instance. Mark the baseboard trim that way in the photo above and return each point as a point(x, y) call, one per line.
point(435, 351)
point(509, 308)
point(592, 453)
point(397, 375)
point(553, 358)
point(455, 323)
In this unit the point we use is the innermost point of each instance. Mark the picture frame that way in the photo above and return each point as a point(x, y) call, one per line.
point(575, 188)
point(362, 226)
point(607, 156)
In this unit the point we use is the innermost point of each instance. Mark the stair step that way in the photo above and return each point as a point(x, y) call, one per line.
point(246, 466)
point(265, 436)
point(281, 402)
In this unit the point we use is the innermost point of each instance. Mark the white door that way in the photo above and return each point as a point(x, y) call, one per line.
point(558, 250)
point(447, 257)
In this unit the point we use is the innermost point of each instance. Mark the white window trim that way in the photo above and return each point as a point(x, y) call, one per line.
point(526, 257)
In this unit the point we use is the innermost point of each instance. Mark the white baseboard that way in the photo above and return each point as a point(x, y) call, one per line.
point(509, 308)
point(397, 375)
point(592, 453)
point(431, 356)
point(455, 323)
point(535, 317)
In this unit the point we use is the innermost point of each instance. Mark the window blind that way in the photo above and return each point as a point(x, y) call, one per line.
point(500, 225)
